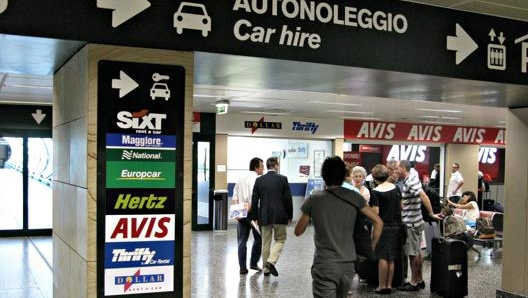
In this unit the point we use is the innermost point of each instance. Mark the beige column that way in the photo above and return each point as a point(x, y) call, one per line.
point(338, 147)
point(75, 172)
point(467, 157)
point(221, 161)
point(515, 243)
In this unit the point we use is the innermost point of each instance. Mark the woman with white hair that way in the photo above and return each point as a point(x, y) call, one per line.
point(358, 178)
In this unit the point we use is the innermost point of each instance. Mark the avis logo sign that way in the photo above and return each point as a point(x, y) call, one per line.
point(411, 153)
point(126, 228)
point(487, 155)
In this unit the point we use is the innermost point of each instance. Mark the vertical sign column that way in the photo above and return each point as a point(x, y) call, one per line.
point(140, 144)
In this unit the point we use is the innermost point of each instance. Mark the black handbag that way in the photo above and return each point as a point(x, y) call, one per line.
point(362, 235)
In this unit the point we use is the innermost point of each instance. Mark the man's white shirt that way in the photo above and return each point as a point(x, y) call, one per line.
point(243, 189)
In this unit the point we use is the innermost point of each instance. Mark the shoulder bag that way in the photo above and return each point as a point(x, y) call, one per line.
point(362, 235)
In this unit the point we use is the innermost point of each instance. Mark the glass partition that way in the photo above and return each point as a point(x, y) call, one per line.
point(11, 183)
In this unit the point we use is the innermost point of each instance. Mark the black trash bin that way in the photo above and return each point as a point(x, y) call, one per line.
point(220, 209)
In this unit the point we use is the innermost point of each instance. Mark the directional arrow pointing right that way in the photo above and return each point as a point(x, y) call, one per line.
point(125, 84)
point(462, 43)
point(123, 9)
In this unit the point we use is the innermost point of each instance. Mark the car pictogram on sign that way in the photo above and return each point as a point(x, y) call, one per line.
point(192, 16)
point(160, 90)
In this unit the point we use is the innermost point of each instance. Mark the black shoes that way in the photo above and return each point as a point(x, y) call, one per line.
point(255, 267)
point(421, 284)
point(409, 287)
point(383, 291)
point(243, 271)
point(271, 269)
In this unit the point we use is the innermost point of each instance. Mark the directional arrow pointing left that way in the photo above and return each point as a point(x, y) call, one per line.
point(125, 84)
point(123, 9)
point(462, 43)
point(38, 116)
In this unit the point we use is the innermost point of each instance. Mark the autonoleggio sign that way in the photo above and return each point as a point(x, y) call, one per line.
point(140, 191)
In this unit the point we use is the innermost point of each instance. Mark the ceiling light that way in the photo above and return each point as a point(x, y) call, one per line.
point(438, 122)
point(440, 111)
point(335, 103)
point(278, 113)
point(221, 106)
point(439, 117)
point(350, 112)
point(361, 118)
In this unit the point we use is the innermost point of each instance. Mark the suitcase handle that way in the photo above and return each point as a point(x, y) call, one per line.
point(440, 239)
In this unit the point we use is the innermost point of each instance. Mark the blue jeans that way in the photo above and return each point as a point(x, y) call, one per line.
point(243, 229)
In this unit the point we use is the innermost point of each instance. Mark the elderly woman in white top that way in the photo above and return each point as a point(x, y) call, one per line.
point(358, 178)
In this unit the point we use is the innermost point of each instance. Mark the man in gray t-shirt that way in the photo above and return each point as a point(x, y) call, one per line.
point(333, 213)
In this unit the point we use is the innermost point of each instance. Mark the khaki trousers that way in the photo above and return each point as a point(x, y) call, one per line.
point(271, 253)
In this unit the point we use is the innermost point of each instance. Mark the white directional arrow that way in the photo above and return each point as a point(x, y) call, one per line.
point(38, 116)
point(123, 9)
point(125, 84)
point(462, 43)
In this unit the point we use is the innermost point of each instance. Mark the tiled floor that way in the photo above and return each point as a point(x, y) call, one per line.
point(25, 270)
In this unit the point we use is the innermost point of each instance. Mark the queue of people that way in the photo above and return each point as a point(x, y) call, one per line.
point(393, 206)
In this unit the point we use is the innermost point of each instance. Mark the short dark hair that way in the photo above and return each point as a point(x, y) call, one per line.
point(271, 162)
point(333, 171)
point(380, 173)
point(254, 163)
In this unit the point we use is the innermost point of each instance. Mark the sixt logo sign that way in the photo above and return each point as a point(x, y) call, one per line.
point(138, 278)
point(142, 121)
point(308, 126)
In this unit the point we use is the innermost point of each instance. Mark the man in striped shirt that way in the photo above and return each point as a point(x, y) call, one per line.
point(412, 198)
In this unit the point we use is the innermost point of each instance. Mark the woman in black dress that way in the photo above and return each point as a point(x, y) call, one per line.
point(386, 198)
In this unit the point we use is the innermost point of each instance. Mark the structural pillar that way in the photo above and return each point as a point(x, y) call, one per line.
point(515, 240)
point(75, 171)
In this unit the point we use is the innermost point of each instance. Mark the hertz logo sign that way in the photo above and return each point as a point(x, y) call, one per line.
point(127, 201)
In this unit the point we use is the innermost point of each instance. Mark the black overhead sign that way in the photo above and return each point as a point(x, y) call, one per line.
point(21, 117)
point(380, 34)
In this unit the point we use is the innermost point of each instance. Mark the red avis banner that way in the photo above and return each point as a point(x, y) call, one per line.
point(490, 162)
point(397, 131)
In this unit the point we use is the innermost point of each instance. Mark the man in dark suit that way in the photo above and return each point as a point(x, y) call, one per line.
point(272, 206)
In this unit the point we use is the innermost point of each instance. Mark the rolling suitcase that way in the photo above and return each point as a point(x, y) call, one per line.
point(449, 272)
